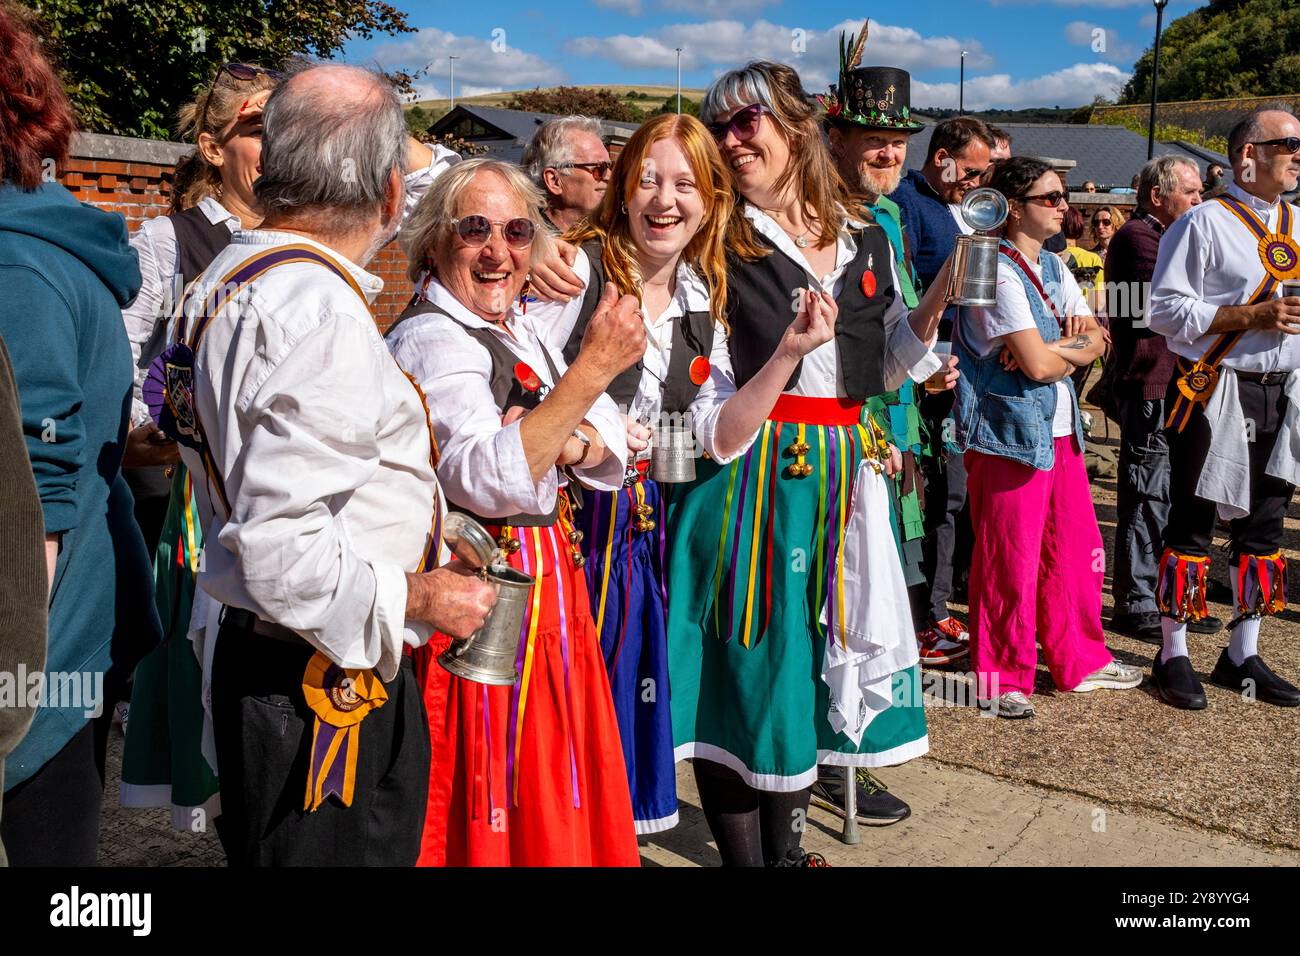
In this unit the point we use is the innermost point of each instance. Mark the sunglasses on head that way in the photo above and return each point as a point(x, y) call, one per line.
point(1050, 200)
point(245, 72)
point(1289, 144)
point(477, 230)
point(599, 171)
point(744, 123)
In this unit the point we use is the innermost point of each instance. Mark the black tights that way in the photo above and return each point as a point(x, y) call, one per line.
point(751, 827)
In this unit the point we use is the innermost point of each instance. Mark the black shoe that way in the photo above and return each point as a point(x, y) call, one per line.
point(877, 807)
point(1206, 625)
point(1143, 626)
point(801, 857)
point(1254, 678)
point(1176, 683)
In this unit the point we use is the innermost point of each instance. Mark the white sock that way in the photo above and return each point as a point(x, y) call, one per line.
point(1175, 644)
point(1244, 641)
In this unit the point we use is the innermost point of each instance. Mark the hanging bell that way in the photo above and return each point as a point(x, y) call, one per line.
point(507, 543)
point(575, 537)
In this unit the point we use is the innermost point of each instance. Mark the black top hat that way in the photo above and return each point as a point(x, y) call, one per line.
point(874, 97)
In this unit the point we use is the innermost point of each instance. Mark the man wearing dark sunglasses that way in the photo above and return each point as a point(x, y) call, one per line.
point(1226, 295)
point(568, 160)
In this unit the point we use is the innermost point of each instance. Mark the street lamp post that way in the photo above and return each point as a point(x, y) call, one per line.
point(452, 58)
point(679, 80)
point(961, 89)
point(1155, 78)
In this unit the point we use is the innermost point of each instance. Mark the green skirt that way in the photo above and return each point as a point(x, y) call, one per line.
point(752, 558)
point(163, 763)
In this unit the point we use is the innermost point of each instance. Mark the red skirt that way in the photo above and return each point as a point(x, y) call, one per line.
point(530, 775)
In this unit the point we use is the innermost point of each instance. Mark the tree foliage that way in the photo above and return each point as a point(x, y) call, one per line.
point(1226, 49)
point(129, 65)
point(573, 100)
point(688, 106)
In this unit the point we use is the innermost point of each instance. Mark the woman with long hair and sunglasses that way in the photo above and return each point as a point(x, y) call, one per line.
point(529, 774)
point(1106, 221)
point(660, 234)
point(169, 758)
point(770, 600)
point(1035, 578)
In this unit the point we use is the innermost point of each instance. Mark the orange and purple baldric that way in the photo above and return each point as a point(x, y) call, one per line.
point(1280, 256)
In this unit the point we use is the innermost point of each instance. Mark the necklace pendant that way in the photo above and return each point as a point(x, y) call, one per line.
point(802, 242)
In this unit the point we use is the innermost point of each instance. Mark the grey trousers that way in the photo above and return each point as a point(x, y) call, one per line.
point(1142, 510)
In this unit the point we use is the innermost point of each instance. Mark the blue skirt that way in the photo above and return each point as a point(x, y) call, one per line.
point(625, 577)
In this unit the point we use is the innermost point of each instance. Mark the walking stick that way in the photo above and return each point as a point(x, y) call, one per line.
point(850, 834)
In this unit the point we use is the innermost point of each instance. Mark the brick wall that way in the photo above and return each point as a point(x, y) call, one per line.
point(134, 177)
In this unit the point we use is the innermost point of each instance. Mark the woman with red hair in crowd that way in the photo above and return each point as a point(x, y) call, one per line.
point(66, 271)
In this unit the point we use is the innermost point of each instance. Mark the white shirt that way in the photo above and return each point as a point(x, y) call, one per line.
point(554, 321)
point(160, 272)
point(987, 328)
point(323, 444)
point(1208, 258)
point(481, 463)
point(965, 227)
point(819, 376)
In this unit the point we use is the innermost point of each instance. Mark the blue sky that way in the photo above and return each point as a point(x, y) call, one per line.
point(1020, 52)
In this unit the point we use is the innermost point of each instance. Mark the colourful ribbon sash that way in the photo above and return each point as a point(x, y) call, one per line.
point(1281, 260)
point(340, 698)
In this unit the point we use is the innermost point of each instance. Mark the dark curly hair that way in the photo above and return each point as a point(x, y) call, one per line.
point(36, 119)
point(1016, 175)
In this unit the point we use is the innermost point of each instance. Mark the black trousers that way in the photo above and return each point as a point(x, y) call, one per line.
point(1142, 504)
point(263, 729)
point(1191, 519)
point(946, 547)
point(152, 490)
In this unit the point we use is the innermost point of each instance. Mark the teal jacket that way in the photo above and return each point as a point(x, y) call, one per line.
point(66, 272)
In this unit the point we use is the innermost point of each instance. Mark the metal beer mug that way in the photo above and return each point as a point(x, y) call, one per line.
point(488, 655)
point(974, 277)
point(672, 458)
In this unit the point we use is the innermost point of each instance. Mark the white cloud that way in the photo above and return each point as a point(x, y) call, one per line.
point(485, 65)
point(1073, 86)
point(630, 7)
point(716, 8)
point(815, 53)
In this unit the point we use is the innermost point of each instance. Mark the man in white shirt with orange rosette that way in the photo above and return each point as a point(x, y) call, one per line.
point(325, 536)
point(1226, 293)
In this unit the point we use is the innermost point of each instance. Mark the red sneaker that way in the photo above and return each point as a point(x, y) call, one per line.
point(935, 647)
point(953, 629)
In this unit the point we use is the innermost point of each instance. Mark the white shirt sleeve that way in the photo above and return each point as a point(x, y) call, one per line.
point(554, 321)
point(1176, 307)
point(155, 245)
point(418, 181)
point(717, 389)
point(987, 326)
point(906, 356)
point(312, 440)
point(482, 465)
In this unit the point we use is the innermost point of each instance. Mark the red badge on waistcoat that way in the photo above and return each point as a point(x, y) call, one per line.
point(527, 377)
point(868, 284)
point(699, 370)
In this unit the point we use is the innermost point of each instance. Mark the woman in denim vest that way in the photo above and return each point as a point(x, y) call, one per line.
point(1038, 566)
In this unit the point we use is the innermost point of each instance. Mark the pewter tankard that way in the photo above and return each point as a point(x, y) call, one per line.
point(672, 458)
point(488, 655)
point(974, 277)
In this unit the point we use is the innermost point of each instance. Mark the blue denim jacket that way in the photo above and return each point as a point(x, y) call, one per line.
point(1007, 413)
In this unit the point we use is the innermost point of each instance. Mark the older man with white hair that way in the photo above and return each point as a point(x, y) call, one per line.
point(1226, 294)
point(326, 513)
point(569, 161)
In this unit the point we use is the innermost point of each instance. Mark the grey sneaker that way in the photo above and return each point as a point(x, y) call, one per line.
point(1114, 676)
point(1013, 705)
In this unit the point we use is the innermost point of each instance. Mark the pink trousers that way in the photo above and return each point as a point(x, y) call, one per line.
point(1037, 573)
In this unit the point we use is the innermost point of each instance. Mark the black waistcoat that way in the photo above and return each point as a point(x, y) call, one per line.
point(507, 391)
point(760, 307)
point(197, 241)
point(692, 336)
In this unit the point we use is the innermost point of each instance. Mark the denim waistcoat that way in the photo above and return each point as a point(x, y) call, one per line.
point(1007, 413)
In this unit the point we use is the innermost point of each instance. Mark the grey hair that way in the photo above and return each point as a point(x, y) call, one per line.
point(1161, 172)
point(550, 147)
point(429, 229)
point(1250, 128)
point(332, 153)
